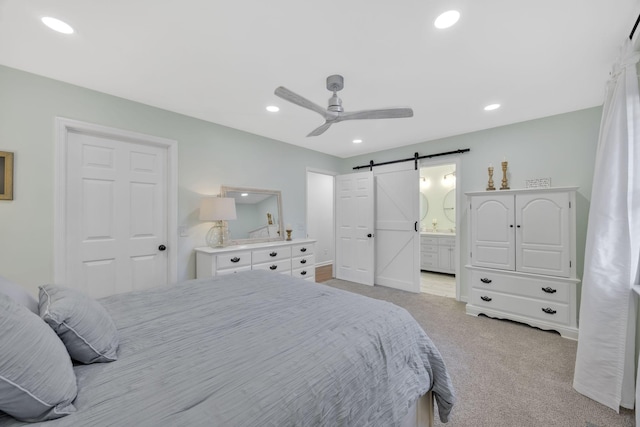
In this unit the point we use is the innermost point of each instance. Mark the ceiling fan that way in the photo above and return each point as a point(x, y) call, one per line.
point(335, 113)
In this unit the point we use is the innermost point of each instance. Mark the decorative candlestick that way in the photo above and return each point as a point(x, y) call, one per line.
point(490, 183)
point(288, 229)
point(505, 183)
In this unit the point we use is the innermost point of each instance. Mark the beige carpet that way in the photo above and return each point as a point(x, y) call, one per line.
point(505, 373)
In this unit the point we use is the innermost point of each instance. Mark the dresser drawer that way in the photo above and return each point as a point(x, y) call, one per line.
point(232, 270)
point(271, 254)
point(539, 288)
point(303, 261)
point(304, 273)
point(235, 259)
point(429, 248)
point(281, 266)
point(302, 249)
point(521, 306)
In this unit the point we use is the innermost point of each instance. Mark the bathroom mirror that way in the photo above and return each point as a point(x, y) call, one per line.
point(259, 215)
point(424, 206)
point(449, 205)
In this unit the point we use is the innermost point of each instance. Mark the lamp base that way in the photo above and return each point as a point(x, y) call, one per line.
point(216, 236)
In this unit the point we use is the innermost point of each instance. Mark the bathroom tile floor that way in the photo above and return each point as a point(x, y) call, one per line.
point(440, 284)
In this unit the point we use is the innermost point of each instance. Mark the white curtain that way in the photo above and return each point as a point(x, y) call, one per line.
point(605, 365)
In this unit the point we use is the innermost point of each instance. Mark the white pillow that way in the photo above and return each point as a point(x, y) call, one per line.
point(19, 294)
point(83, 325)
point(37, 381)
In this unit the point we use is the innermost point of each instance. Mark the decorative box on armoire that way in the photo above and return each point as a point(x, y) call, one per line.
point(522, 257)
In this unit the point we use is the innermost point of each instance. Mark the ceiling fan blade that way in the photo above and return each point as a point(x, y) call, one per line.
point(320, 130)
point(388, 113)
point(293, 97)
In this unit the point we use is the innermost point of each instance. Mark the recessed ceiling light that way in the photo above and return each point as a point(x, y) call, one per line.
point(491, 107)
point(273, 109)
point(447, 19)
point(57, 25)
point(357, 141)
point(244, 194)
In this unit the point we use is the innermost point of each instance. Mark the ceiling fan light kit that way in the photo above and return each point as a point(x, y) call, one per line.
point(335, 113)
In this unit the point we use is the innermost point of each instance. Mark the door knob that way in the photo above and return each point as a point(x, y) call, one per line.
point(369, 235)
point(162, 248)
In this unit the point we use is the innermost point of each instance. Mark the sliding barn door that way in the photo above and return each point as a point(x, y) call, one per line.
point(355, 227)
point(397, 223)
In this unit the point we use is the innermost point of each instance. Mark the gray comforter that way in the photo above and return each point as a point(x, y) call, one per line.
point(258, 349)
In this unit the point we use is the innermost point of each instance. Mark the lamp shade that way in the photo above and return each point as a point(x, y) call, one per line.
point(217, 208)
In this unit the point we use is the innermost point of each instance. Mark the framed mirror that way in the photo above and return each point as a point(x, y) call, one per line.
point(259, 215)
point(449, 205)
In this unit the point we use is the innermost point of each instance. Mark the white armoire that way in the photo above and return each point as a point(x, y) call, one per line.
point(522, 257)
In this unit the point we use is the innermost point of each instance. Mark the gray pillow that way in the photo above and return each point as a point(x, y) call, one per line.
point(83, 325)
point(37, 381)
point(18, 294)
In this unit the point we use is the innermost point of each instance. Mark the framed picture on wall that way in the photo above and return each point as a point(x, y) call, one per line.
point(6, 175)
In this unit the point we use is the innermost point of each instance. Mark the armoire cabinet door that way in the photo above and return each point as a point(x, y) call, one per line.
point(543, 234)
point(492, 231)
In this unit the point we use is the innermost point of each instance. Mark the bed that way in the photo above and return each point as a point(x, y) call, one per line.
point(259, 349)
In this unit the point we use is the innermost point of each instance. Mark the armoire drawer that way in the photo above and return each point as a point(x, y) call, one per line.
point(281, 266)
point(538, 287)
point(235, 259)
point(543, 310)
point(271, 254)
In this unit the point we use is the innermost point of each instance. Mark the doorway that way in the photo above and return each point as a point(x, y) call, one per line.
point(439, 220)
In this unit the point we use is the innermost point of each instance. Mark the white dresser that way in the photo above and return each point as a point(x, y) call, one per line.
point(295, 258)
point(522, 257)
point(437, 252)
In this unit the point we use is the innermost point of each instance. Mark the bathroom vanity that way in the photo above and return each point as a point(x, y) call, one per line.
point(437, 252)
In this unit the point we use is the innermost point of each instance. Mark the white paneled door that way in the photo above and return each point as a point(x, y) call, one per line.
point(355, 227)
point(116, 214)
point(397, 258)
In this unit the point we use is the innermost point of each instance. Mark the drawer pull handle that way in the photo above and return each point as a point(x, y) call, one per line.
point(303, 261)
point(273, 267)
point(549, 310)
point(483, 298)
point(234, 259)
point(549, 290)
point(272, 254)
point(303, 249)
point(303, 272)
point(485, 280)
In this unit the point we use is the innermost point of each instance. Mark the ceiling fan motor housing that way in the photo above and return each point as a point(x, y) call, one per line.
point(335, 83)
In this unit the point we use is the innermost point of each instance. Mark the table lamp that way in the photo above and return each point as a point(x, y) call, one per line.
point(218, 209)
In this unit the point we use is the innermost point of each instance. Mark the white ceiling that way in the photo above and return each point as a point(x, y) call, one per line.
point(220, 61)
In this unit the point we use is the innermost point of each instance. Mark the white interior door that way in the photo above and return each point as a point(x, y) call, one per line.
point(116, 222)
point(397, 262)
point(355, 227)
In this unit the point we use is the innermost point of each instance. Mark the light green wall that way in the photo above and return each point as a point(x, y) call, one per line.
point(209, 156)
point(561, 147)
